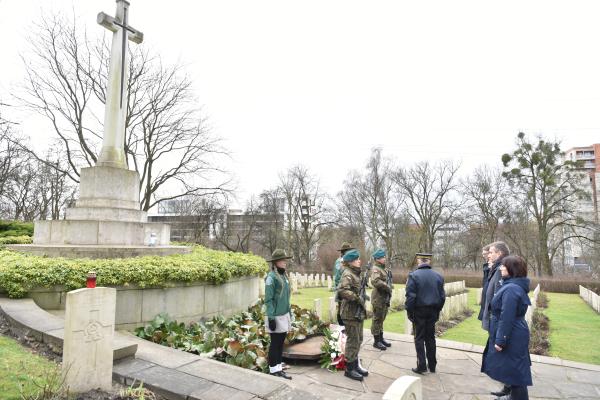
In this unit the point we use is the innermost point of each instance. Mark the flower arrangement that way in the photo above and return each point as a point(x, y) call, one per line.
point(333, 348)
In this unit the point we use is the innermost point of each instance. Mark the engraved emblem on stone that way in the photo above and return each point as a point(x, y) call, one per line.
point(93, 332)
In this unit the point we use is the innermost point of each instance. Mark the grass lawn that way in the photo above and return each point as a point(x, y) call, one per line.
point(469, 330)
point(305, 299)
point(18, 366)
point(574, 328)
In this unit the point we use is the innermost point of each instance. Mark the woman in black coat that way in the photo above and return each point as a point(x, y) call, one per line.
point(507, 357)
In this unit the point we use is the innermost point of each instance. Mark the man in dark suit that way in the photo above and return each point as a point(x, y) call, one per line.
point(425, 299)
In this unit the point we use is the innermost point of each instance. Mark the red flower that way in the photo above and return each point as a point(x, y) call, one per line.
point(339, 362)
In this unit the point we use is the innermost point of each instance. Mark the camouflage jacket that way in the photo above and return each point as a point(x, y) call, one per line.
point(348, 294)
point(381, 280)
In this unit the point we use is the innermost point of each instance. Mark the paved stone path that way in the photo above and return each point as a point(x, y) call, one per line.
point(179, 375)
point(458, 374)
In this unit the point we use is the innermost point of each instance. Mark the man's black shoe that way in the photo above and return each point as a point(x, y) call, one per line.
point(505, 391)
point(432, 370)
point(419, 371)
point(281, 374)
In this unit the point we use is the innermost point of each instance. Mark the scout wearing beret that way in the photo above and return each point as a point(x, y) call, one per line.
point(381, 280)
point(352, 312)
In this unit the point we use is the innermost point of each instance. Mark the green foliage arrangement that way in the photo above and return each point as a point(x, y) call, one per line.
point(20, 272)
point(16, 228)
point(240, 340)
point(15, 240)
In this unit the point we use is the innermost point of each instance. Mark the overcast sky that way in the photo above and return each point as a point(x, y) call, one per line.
point(323, 82)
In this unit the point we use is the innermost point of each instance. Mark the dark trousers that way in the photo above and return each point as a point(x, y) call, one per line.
point(276, 348)
point(519, 393)
point(424, 324)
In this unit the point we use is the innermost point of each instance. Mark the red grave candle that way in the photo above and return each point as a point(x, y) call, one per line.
point(91, 280)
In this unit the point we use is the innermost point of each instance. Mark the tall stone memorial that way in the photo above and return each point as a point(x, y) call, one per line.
point(106, 221)
point(88, 343)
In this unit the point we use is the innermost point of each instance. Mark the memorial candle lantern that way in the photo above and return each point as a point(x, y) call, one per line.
point(91, 280)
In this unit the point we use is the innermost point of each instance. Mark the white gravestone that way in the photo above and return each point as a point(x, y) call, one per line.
point(318, 309)
point(405, 388)
point(332, 306)
point(88, 343)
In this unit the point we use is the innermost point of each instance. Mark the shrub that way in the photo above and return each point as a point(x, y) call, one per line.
point(20, 272)
point(16, 228)
point(15, 240)
point(540, 330)
point(240, 340)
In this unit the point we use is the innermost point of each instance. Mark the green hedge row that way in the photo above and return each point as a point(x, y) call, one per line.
point(16, 240)
point(19, 272)
point(16, 228)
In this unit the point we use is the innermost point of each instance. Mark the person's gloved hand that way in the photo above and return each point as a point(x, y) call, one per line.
point(367, 297)
point(360, 301)
point(339, 320)
point(272, 324)
point(387, 304)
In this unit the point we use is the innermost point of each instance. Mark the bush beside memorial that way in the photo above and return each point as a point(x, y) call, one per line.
point(20, 273)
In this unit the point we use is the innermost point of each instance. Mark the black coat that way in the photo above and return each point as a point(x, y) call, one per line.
point(425, 288)
point(484, 280)
point(508, 329)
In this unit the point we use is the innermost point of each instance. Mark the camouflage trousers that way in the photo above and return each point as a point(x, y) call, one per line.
point(354, 338)
point(379, 314)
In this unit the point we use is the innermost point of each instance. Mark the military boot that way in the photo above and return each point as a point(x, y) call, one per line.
point(351, 371)
point(360, 369)
point(385, 342)
point(377, 342)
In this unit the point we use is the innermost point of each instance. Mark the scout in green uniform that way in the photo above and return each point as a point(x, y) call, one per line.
point(338, 267)
point(381, 280)
point(277, 301)
point(353, 313)
point(337, 275)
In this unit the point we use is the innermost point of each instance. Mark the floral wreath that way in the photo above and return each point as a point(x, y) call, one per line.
point(334, 344)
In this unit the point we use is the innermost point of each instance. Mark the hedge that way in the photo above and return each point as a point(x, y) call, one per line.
point(16, 228)
point(16, 240)
point(557, 284)
point(20, 272)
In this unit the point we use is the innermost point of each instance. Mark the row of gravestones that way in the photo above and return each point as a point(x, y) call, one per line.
point(298, 280)
point(454, 306)
point(452, 288)
point(590, 297)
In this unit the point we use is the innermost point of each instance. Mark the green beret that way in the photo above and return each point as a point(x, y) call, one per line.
point(351, 255)
point(379, 253)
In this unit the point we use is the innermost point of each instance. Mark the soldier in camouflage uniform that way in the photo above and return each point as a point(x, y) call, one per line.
point(353, 313)
point(381, 280)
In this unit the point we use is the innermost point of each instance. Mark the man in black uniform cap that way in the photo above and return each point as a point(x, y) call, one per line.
point(425, 298)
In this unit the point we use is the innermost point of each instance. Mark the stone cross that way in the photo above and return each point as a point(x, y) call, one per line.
point(88, 343)
point(113, 143)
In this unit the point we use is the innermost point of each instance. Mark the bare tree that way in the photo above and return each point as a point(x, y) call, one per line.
point(235, 231)
point(308, 212)
point(270, 231)
point(374, 202)
point(486, 191)
point(429, 189)
point(167, 140)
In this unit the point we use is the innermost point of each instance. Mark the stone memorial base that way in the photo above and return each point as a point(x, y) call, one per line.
point(106, 222)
